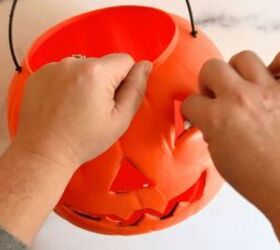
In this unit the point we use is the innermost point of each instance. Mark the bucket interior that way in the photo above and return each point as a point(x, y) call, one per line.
point(142, 32)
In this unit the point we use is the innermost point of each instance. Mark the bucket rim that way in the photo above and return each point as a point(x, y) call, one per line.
point(71, 20)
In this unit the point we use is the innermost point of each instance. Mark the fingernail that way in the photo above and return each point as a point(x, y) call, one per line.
point(148, 67)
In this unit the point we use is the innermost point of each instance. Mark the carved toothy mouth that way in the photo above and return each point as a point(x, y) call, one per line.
point(194, 193)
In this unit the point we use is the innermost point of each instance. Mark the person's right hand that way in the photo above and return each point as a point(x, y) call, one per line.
point(239, 115)
point(75, 109)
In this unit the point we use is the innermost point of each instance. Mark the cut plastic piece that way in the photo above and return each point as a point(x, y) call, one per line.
point(129, 178)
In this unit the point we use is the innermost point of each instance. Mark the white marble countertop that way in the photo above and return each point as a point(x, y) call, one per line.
point(228, 222)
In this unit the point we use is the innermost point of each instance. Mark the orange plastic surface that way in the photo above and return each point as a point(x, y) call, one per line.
point(157, 174)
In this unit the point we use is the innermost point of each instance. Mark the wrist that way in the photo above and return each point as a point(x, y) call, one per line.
point(34, 185)
point(49, 147)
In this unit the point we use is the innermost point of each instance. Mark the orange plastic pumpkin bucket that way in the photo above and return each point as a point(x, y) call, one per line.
point(158, 173)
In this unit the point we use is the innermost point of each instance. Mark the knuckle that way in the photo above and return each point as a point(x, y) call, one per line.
point(222, 117)
point(67, 60)
point(247, 100)
point(65, 63)
point(268, 97)
point(48, 67)
point(126, 56)
point(241, 98)
point(90, 68)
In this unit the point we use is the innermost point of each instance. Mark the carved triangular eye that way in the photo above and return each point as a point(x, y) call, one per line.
point(129, 178)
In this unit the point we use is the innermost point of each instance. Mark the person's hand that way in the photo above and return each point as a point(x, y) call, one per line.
point(274, 67)
point(238, 112)
point(72, 111)
point(75, 109)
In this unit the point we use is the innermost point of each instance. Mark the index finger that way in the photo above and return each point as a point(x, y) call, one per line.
point(197, 109)
point(217, 76)
point(116, 66)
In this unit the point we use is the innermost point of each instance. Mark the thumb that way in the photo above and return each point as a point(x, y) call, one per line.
point(131, 92)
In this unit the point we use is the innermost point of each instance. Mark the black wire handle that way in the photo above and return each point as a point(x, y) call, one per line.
point(194, 31)
point(11, 43)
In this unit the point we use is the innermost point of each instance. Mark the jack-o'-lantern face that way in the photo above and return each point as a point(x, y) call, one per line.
point(158, 173)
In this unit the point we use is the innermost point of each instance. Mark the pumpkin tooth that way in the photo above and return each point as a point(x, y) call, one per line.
point(181, 207)
point(113, 220)
point(148, 218)
point(169, 213)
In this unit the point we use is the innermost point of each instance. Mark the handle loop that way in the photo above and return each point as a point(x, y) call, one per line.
point(18, 68)
point(11, 44)
point(194, 31)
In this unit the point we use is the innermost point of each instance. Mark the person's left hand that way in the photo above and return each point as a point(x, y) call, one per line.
point(75, 109)
point(72, 111)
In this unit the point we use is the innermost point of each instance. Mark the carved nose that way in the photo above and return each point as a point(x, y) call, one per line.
point(129, 178)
